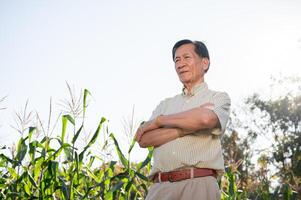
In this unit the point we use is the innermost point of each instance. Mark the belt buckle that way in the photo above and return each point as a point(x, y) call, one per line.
point(170, 178)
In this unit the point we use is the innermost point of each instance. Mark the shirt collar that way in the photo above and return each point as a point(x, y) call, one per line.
point(196, 89)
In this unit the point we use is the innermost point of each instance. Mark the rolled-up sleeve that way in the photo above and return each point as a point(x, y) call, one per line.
point(222, 103)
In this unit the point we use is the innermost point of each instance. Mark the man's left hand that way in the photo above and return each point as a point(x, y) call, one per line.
point(145, 127)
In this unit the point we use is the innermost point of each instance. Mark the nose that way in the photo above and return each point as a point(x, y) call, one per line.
point(180, 65)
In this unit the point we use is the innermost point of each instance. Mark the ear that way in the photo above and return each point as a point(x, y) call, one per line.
point(205, 63)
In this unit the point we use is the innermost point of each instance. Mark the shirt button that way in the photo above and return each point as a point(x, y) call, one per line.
point(173, 153)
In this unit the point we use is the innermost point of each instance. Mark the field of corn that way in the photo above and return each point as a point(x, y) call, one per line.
point(54, 167)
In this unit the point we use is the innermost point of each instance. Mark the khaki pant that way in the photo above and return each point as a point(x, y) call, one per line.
point(203, 188)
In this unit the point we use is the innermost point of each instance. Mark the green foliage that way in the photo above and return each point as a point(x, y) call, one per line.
point(229, 185)
point(284, 125)
point(276, 175)
point(53, 167)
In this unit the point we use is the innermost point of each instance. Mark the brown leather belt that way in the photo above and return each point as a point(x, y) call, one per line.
point(180, 175)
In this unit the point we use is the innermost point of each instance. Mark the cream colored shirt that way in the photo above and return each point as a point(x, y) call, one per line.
point(200, 149)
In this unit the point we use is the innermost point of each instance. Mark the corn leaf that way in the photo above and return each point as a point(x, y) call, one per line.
point(129, 185)
point(117, 186)
point(112, 165)
point(86, 93)
point(142, 176)
point(27, 189)
point(146, 161)
point(30, 132)
point(44, 139)
point(4, 157)
point(64, 126)
point(77, 134)
point(52, 168)
point(38, 167)
point(64, 189)
point(109, 196)
point(57, 152)
point(122, 158)
point(32, 149)
point(92, 158)
point(70, 119)
point(33, 182)
point(77, 165)
point(12, 172)
point(92, 175)
point(81, 195)
point(132, 145)
point(21, 150)
point(93, 139)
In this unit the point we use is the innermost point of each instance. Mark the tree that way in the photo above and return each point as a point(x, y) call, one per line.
point(280, 120)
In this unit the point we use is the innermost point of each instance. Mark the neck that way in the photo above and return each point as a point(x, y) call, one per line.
point(190, 85)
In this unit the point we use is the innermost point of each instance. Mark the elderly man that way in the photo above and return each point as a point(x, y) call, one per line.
point(185, 131)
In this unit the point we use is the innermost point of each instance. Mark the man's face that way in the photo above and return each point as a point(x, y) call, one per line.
point(189, 66)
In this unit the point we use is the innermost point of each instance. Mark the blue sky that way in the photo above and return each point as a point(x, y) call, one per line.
point(121, 52)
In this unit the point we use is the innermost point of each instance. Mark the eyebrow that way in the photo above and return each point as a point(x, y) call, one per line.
point(185, 54)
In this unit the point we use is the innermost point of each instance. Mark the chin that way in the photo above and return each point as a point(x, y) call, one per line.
point(185, 79)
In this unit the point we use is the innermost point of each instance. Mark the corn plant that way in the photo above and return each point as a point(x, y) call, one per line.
point(54, 168)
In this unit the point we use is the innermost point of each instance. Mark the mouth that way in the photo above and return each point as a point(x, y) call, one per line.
point(182, 72)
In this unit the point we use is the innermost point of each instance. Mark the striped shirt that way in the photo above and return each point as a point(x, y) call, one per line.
point(200, 149)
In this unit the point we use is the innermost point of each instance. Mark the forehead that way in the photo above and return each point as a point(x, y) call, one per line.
point(185, 49)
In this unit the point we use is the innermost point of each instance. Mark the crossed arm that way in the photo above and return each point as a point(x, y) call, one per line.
point(166, 128)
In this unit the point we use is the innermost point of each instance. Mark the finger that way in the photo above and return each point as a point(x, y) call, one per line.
point(139, 134)
point(135, 137)
point(139, 137)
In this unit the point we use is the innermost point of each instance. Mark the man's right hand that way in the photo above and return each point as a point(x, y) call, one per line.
point(146, 127)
